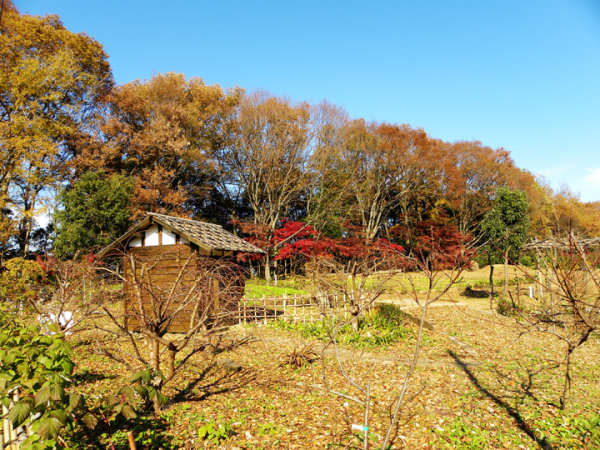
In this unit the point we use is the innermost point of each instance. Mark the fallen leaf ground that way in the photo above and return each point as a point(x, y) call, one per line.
point(500, 391)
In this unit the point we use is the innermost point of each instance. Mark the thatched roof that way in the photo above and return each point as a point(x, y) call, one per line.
point(205, 235)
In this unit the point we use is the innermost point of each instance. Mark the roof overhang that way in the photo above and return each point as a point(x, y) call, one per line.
point(148, 221)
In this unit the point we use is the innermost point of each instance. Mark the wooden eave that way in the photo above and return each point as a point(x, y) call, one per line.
point(143, 224)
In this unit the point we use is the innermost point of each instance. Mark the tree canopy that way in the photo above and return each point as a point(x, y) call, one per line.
point(51, 82)
point(506, 224)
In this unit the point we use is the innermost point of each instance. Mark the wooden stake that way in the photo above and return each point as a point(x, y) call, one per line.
point(131, 441)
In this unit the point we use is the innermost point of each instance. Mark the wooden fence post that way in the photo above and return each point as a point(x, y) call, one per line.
point(4, 422)
point(295, 307)
point(265, 312)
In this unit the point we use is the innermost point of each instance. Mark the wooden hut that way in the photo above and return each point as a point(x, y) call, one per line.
point(162, 246)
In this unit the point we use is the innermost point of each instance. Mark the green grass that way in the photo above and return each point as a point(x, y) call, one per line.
point(577, 428)
point(399, 284)
point(258, 288)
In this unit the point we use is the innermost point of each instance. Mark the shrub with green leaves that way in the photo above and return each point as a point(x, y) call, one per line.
point(34, 371)
point(391, 314)
point(20, 280)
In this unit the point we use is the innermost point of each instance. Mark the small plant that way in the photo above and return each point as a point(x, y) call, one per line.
point(267, 429)
point(506, 308)
point(147, 386)
point(390, 314)
point(299, 358)
point(210, 431)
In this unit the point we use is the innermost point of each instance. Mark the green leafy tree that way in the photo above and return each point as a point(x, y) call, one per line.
point(505, 227)
point(96, 210)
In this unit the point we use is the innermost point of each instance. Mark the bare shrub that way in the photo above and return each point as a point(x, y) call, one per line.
point(361, 279)
point(568, 306)
point(176, 312)
point(72, 291)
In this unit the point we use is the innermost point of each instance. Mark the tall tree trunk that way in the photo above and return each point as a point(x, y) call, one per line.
point(154, 355)
point(355, 318)
point(171, 353)
point(25, 229)
point(566, 396)
point(491, 274)
point(505, 271)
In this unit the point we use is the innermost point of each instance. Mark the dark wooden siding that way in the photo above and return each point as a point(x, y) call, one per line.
point(166, 263)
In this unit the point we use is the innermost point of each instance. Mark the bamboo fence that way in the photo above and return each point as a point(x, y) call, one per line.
point(10, 437)
point(295, 308)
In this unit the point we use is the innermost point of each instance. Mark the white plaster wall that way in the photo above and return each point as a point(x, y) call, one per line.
point(152, 236)
point(168, 238)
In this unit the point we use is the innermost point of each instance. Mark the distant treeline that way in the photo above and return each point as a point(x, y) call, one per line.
point(95, 156)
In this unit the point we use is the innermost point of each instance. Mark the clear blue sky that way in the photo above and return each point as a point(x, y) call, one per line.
point(523, 75)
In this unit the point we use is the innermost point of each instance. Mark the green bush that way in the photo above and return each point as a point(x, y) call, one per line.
point(391, 314)
point(36, 371)
point(20, 281)
point(527, 261)
point(505, 307)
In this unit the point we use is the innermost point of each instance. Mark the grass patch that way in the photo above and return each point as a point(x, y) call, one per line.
point(381, 329)
point(259, 288)
point(578, 428)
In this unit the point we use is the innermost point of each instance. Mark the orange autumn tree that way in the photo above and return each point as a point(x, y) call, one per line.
point(163, 132)
point(389, 164)
point(51, 81)
point(477, 172)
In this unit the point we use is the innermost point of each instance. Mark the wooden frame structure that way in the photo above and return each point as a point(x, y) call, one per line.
point(164, 247)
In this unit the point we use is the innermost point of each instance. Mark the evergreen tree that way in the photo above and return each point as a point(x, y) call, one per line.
point(96, 210)
point(506, 226)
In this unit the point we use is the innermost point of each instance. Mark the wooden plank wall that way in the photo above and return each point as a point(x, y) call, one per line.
point(167, 262)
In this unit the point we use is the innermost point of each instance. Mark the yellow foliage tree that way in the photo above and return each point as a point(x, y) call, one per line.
point(51, 81)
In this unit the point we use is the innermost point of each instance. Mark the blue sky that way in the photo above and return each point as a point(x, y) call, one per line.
point(522, 75)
